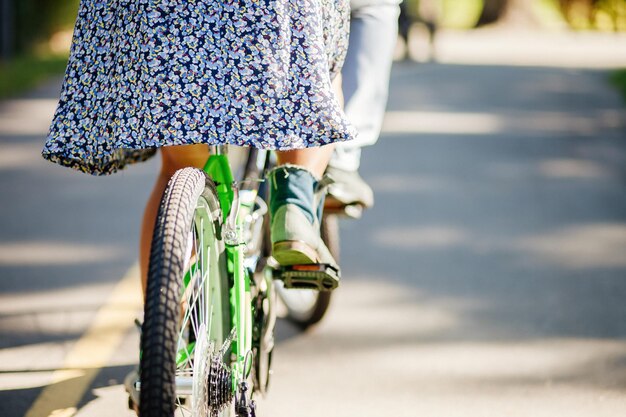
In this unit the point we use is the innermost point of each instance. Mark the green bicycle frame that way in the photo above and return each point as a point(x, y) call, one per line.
point(219, 170)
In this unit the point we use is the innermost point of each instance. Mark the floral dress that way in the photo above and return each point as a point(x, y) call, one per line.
point(149, 73)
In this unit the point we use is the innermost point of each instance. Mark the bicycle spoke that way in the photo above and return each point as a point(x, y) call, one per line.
point(184, 411)
point(198, 310)
point(190, 298)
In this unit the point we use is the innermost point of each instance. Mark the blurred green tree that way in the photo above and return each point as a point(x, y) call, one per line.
point(579, 14)
point(29, 23)
point(594, 14)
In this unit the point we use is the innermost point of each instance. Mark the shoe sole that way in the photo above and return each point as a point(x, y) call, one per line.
point(294, 253)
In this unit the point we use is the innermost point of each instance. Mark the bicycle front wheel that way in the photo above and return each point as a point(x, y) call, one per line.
point(187, 312)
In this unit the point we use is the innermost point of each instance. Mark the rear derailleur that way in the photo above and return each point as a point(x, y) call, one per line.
point(244, 405)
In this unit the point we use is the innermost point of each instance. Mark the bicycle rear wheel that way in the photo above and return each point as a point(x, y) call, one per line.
point(307, 307)
point(187, 310)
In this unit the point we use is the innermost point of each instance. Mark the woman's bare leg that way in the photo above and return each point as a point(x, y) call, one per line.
point(173, 158)
point(313, 159)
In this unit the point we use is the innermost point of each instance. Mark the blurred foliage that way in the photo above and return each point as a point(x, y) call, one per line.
point(460, 14)
point(618, 79)
point(36, 21)
point(41, 31)
point(603, 15)
point(465, 14)
point(595, 14)
point(25, 72)
point(39, 25)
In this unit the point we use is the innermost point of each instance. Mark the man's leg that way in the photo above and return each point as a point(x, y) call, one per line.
point(373, 36)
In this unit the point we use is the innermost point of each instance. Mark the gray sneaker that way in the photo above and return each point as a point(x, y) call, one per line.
point(349, 188)
point(295, 203)
point(297, 241)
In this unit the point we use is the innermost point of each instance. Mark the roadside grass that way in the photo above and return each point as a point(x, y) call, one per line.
point(618, 79)
point(25, 72)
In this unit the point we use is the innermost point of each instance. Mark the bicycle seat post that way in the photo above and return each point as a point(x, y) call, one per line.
point(218, 150)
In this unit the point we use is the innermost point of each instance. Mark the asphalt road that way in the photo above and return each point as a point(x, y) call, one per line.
point(488, 280)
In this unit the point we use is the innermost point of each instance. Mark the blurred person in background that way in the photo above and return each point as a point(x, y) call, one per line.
point(374, 27)
point(428, 14)
point(424, 14)
point(366, 71)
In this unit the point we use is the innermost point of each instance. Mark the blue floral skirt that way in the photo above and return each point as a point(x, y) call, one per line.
point(149, 73)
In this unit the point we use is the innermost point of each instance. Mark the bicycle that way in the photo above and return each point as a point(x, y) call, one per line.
point(207, 336)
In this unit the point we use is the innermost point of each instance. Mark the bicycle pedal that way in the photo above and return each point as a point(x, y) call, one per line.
point(322, 277)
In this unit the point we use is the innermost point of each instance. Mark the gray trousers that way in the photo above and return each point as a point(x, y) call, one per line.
point(373, 36)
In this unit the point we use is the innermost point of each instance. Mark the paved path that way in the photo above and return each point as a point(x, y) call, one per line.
point(489, 280)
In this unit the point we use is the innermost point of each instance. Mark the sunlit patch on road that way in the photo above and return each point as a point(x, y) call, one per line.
point(20, 156)
point(24, 380)
point(580, 246)
point(410, 238)
point(55, 253)
point(577, 246)
point(64, 412)
point(573, 168)
point(26, 116)
point(441, 123)
point(468, 125)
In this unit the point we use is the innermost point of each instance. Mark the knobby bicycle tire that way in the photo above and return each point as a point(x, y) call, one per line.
point(189, 213)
